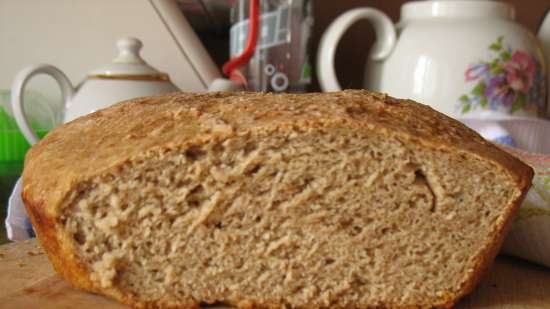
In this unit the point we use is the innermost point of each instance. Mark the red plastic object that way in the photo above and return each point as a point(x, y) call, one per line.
point(250, 47)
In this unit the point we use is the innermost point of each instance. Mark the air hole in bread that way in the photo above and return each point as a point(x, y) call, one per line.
point(194, 153)
point(421, 178)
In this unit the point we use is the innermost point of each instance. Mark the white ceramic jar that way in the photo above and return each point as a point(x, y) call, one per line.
point(465, 58)
point(127, 77)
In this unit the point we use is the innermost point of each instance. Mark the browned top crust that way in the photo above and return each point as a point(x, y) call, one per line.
point(90, 145)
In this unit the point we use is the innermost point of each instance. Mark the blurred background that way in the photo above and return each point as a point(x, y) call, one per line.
point(350, 59)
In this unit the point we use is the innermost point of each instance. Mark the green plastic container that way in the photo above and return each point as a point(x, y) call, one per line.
point(13, 146)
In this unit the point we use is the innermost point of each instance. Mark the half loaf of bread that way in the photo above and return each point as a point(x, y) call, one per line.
point(341, 200)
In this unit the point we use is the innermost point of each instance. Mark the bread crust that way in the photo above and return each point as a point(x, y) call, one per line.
point(108, 138)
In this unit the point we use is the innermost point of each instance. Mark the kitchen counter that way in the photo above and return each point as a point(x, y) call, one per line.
point(28, 281)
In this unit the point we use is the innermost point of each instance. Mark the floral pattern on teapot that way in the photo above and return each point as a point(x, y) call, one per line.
point(511, 81)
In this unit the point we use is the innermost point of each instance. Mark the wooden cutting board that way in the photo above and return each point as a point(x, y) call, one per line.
point(28, 281)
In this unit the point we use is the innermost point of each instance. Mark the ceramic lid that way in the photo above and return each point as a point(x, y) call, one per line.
point(457, 8)
point(128, 64)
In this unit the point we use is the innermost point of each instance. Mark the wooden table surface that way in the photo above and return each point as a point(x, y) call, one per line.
point(28, 281)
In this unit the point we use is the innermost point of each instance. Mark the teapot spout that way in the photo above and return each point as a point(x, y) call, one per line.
point(544, 38)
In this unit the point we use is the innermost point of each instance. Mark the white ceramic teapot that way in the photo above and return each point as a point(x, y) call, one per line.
point(128, 76)
point(465, 58)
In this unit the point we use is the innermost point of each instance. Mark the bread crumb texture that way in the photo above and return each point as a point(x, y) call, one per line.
point(342, 200)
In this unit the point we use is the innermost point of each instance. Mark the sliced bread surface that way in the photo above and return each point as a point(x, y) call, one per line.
point(340, 200)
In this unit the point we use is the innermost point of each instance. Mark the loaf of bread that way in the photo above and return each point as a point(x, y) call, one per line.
point(339, 200)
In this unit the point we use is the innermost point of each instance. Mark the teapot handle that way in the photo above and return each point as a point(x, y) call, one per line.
point(18, 88)
point(385, 41)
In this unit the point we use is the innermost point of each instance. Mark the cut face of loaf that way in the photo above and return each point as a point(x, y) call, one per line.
point(343, 200)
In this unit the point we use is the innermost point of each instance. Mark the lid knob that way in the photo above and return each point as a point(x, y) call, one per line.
point(128, 64)
point(128, 51)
